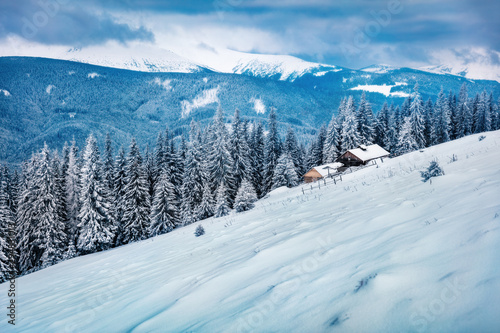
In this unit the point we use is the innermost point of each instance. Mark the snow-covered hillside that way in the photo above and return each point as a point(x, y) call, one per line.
point(472, 71)
point(380, 251)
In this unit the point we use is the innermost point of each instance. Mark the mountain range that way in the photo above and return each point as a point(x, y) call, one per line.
point(47, 100)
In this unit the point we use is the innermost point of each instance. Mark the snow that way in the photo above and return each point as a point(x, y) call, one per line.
point(382, 89)
point(49, 88)
point(366, 153)
point(165, 83)
point(380, 251)
point(93, 75)
point(203, 99)
point(258, 105)
point(6, 93)
point(327, 169)
point(379, 69)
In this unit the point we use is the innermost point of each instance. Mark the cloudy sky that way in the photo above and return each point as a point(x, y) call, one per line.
point(350, 33)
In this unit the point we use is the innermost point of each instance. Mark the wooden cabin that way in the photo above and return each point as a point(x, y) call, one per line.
point(362, 155)
point(322, 171)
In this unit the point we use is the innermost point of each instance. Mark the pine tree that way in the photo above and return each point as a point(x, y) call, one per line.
point(442, 120)
point(284, 173)
point(118, 198)
point(292, 148)
point(258, 158)
point(136, 209)
point(164, 213)
point(332, 140)
point(349, 134)
point(108, 165)
point(239, 152)
point(482, 119)
point(428, 122)
point(7, 223)
point(206, 207)
point(221, 202)
point(72, 190)
point(246, 197)
point(29, 253)
point(96, 231)
point(411, 136)
point(193, 182)
point(365, 121)
point(272, 152)
point(219, 166)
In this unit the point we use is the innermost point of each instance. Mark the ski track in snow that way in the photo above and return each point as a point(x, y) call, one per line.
point(380, 251)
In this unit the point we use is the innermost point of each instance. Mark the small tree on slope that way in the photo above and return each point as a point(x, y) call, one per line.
point(434, 170)
point(245, 197)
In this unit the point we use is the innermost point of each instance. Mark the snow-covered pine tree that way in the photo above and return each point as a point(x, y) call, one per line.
point(49, 230)
point(96, 230)
point(349, 134)
point(454, 115)
point(428, 122)
point(365, 121)
point(59, 192)
point(465, 123)
point(150, 171)
point(411, 136)
point(441, 128)
point(332, 140)
point(284, 173)
point(7, 224)
point(219, 165)
point(193, 182)
point(482, 119)
point(258, 158)
point(381, 126)
point(137, 205)
point(272, 152)
point(291, 147)
point(239, 152)
point(246, 197)
point(72, 192)
point(206, 207)
point(221, 202)
point(165, 212)
point(108, 170)
point(118, 198)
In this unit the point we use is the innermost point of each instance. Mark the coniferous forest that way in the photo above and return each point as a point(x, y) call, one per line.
point(82, 200)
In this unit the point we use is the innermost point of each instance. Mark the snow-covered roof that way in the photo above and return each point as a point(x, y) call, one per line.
point(323, 169)
point(366, 153)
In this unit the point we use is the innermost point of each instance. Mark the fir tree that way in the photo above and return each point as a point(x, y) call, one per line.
point(221, 202)
point(118, 198)
point(193, 179)
point(284, 173)
point(246, 197)
point(72, 190)
point(365, 121)
point(332, 141)
point(239, 152)
point(349, 134)
point(108, 165)
point(136, 204)
point(272, 152)
point(96, 228)
point(258, 158)
point(7, 224)
point(292, 148)
point(441, 127)
point(164, 213)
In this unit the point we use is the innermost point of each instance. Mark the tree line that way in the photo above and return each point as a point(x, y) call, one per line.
point(80, 202)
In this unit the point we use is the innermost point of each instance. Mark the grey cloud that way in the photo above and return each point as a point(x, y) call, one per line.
point(61, 22)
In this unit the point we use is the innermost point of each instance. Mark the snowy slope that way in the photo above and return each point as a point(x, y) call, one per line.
point(379, 252)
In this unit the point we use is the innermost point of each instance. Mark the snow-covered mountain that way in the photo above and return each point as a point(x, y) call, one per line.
point(473, 71)
point(380, 69)
point(380, 251)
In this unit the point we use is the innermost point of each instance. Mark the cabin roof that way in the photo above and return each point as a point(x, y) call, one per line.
point(367, 153)
point(323, 169)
